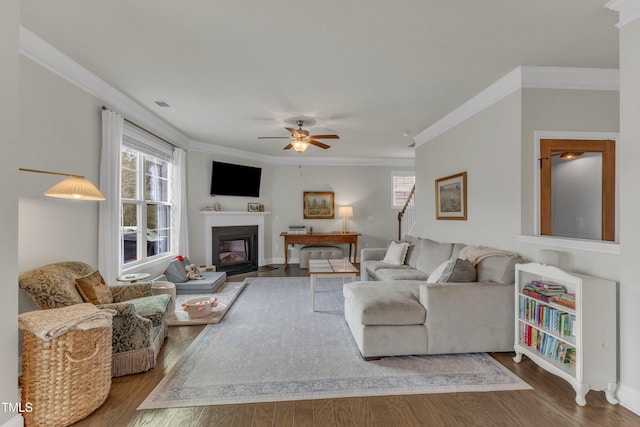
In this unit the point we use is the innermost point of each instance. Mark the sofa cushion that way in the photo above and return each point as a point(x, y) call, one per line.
point(400, 274)
point(93, 289)
point(371, 267)
point(385, 303)
point(411, 259)
point(153, 308)
point(498, 269)
point(458, 271)
point(396, 253)
point(432, 254)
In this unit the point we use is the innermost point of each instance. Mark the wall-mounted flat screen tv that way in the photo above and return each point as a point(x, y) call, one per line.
point(228, 179)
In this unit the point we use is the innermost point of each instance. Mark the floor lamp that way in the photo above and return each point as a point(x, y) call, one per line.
point(72, 187)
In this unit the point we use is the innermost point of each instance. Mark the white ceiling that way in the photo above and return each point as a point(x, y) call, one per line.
point(366, 70)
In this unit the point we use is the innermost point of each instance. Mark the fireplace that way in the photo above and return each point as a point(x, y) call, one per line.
point(222, 219)
point(234, 249)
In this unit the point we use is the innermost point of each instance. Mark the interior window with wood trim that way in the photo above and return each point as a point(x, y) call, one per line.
point(577, 188)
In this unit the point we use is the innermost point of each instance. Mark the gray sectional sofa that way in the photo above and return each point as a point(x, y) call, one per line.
point(466, 306)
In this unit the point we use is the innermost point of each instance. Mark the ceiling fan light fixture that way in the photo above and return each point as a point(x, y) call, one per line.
point(300, 145)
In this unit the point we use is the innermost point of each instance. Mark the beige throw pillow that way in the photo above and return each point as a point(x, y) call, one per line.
point(396, 253)
point(93, 289)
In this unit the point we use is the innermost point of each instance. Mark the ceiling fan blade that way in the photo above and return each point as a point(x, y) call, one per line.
point(274, 137)
point(325, 136)
point(293, 131)
point(288, 146)
point(319, 144)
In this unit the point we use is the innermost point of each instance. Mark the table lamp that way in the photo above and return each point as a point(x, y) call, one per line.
point(345, 212)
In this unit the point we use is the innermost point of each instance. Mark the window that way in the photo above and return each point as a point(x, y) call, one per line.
point(577, 188)
point(401, 185)
point(145, 183)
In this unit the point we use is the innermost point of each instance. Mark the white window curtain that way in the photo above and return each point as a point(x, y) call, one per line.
point(109, 214)
point(180, 235)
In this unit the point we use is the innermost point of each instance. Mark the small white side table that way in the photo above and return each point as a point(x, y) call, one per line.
point(168, 288)
point(133, 278)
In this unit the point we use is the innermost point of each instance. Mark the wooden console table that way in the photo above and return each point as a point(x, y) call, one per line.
point(320, 239)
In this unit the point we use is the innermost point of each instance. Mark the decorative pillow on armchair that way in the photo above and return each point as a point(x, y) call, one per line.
point(93, 289)
point(396, 253)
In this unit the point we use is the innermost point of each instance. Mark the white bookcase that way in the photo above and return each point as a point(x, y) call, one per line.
point(593, 336)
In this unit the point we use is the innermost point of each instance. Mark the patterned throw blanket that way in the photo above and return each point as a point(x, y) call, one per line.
point(51, 323)
point(475, 254)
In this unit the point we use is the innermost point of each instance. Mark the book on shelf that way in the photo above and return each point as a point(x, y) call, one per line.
point(544, 290)
point(551, 318)
point(568, 300)
point(548, 345)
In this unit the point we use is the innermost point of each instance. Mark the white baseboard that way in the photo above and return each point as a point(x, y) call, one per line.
point(16, 421)
point(629, 398)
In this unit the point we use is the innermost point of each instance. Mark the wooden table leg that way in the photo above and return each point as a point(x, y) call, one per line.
point(355, 250)
point(286, 254)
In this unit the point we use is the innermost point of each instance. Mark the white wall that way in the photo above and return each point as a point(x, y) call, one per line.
point(560, 110)
point(198, 197)
point(564, 110)
point(629, 155)
point(487, 147)
point(61, 131)
point(9, 135)
point(366, 188)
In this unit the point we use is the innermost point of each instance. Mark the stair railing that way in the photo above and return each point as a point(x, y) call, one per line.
point(407, 215)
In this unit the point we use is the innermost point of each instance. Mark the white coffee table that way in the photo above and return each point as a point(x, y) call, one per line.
point(329, 268)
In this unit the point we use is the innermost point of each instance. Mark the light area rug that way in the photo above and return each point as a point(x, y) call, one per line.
point(226, 295)
point(272, 347)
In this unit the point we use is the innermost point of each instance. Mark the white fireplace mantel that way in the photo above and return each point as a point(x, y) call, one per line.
point(232, 219)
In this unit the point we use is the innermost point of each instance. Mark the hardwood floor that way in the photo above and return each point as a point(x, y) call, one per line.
point(550, 403)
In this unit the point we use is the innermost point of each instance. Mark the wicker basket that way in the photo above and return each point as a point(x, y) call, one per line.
point(66, 378)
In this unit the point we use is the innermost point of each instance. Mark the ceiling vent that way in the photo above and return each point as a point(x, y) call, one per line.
point(165, 106)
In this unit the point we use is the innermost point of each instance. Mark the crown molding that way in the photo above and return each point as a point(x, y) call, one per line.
point(205, 147)
point(519, 78)
point(628, 10)
point(44, 54)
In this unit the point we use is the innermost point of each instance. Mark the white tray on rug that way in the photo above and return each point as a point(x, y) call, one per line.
point(226, 295)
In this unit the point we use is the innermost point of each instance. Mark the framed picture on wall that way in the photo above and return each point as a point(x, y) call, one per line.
point(318, 205)
point(451, 197)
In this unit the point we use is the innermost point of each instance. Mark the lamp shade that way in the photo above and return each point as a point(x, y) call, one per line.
point(75, 187)
point(345, 212)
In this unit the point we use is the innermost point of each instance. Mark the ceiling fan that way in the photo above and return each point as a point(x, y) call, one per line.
point(300, 138)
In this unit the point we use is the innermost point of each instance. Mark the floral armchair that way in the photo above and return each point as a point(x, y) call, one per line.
point(139, 327)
